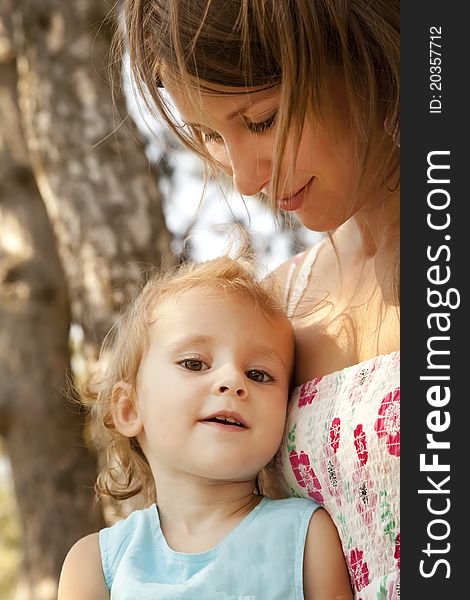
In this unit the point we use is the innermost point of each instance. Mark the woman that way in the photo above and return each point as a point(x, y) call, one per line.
point(298, 101)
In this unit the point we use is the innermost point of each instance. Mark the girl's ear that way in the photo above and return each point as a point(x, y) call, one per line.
point(126, 415)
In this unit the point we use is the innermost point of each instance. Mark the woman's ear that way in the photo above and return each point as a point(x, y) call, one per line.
point(126, 415)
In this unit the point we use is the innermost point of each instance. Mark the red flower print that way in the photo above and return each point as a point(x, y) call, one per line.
point(397, 550)
point(359, 568)
point(361, 444)
point(308, 392)
point(388, 424)
point(305, 475)
point(335, 433)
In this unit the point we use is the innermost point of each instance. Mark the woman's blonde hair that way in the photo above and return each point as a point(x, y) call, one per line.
point(126, 472)
point(263, 43)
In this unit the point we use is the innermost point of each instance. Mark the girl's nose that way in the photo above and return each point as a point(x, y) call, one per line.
point(239, 391)
point(231, 382)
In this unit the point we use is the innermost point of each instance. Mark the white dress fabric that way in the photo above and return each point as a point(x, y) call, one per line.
point(342, 449)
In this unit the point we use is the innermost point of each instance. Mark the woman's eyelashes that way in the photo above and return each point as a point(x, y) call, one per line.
point(263, 126)
point(211, 137)
point(197, 365)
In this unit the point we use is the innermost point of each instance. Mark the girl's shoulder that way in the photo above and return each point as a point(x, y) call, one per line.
point(81, 577)
point(140, 530)
point(293, 505)
point(126, 527)
point(325, 573)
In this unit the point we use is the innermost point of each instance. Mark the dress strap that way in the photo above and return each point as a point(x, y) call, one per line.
point(293, 292)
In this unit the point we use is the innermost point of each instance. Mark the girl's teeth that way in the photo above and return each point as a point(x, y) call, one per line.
point(228, 419)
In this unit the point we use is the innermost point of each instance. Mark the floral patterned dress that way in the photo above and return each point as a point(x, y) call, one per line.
point(342, 448)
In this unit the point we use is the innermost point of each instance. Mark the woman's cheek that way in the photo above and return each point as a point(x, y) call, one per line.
point(219, 154)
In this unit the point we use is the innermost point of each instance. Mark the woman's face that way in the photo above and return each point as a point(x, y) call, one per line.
point(321, 187)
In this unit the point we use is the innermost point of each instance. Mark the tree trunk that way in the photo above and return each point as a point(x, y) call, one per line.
point(79, 216)
point(53, 472)
point(99, 191)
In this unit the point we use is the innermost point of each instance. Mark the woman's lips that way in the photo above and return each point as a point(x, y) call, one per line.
point(292, 203)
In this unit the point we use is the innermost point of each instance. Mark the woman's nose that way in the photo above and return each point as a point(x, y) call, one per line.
point(249, 169)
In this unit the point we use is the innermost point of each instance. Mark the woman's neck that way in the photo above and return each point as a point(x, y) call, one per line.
point(375, 229)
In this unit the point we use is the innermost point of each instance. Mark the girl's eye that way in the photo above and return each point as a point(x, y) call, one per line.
point(258, 376)
point(193, 364)
point(264, 126)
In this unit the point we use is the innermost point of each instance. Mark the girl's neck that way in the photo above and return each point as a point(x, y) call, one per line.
point(197, 515)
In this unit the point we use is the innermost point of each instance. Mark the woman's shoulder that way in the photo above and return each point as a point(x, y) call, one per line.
point(82, 574)
point(287, 272)
point(281, 273)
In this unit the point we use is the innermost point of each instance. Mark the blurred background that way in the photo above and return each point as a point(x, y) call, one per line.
point(91, 193)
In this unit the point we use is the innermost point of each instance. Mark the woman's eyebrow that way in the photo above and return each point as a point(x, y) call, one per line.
point(233, 114)
point(229, 117)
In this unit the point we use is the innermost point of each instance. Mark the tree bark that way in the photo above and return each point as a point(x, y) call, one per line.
point(99, 191)
point(80, 214)
point(52, 470)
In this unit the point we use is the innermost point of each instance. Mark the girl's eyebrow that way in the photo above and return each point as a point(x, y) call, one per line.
point(264, 351)
point(270, 353)
point(191, 339)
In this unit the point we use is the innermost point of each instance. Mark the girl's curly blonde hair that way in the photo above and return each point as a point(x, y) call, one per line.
point(126, 472)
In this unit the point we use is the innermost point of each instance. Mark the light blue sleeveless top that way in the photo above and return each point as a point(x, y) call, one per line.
point(260, 559)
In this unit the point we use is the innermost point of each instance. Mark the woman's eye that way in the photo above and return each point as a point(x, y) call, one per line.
point(210, 138)
point(264, 125)
point(258, 376)
point(193, 364)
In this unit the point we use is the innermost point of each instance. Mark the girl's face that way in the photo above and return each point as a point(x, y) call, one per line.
point(239, 130)
point(212, 388)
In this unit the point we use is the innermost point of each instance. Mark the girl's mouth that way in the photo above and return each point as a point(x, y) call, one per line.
point(225, 421)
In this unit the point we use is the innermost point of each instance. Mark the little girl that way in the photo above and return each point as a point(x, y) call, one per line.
point(190, 409)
